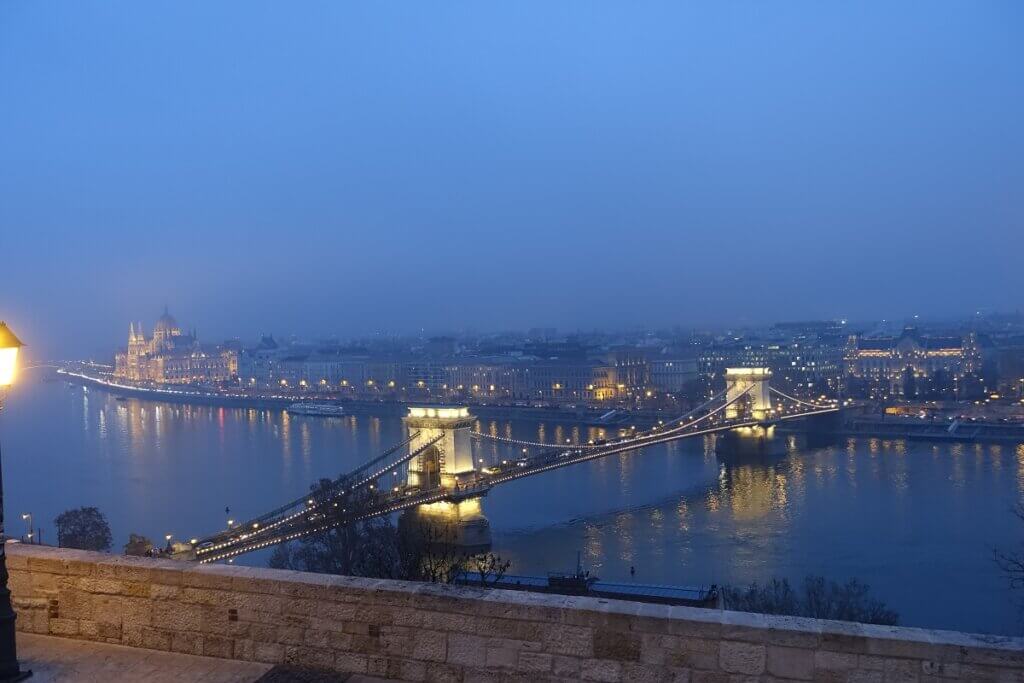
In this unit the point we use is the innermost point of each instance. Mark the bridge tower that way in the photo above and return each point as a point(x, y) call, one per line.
point(756, 380)
point(446, 466)
point(757, 441)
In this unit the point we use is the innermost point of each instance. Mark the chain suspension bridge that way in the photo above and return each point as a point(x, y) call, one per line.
point(443, 467)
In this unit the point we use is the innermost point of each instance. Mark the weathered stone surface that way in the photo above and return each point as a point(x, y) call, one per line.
point(423, 632)
point(742, 658)
point(606, 670)
point(623, 646)
point(790, 663)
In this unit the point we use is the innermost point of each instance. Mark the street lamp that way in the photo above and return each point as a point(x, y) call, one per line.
point(27, 518)
point(9, 669)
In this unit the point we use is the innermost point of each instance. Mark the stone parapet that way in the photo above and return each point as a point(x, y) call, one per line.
point(426, 632)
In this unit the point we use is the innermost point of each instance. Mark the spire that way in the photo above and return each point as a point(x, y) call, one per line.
point(131, 331)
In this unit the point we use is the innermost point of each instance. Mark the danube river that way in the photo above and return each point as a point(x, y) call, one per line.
point(917, 521)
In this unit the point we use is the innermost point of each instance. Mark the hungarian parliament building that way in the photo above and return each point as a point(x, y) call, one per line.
point(170, 357)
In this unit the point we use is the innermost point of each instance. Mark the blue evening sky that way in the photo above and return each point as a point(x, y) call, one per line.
point(345, 167)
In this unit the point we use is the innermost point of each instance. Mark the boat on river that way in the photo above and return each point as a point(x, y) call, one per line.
point(316, 409)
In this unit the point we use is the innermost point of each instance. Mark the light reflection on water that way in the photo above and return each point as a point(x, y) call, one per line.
point(916, 520)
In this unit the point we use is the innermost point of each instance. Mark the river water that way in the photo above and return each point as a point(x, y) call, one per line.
point(917, 521)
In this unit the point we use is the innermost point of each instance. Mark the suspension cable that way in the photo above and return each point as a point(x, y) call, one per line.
point(796, 400)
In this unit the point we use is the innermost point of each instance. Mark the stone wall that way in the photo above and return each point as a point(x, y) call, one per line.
point(427, 632)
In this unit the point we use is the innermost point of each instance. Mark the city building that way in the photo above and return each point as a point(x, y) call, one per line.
point(171, 357)
point(915, 365)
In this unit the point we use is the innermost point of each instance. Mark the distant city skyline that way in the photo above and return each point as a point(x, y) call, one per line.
point(577, 166)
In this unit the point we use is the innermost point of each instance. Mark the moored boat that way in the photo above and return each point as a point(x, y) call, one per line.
point(316, 409)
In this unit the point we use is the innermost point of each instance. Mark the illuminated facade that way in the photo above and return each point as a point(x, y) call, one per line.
point(911, 364)
point(171, 357)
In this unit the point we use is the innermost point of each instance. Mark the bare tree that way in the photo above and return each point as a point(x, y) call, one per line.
point(417, 549)
point(1011, 562)
point(816, 597)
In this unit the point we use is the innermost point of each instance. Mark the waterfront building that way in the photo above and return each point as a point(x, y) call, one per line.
point(172, 357)
point(673, 374)
point(915, 365)
point(805, 364)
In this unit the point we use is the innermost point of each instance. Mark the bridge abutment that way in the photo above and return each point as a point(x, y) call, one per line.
point(452, 523)
point(750, 443)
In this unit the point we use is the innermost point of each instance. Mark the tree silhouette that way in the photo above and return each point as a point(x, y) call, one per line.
point(84, 528)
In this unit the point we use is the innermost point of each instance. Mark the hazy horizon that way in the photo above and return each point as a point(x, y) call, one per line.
point(340, 169)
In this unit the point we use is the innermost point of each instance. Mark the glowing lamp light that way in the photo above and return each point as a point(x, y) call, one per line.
point(9, 345)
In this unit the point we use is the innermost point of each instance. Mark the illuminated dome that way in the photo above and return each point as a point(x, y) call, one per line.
point(166, 326)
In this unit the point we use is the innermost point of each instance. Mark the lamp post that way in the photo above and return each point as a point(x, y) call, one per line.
point(9, 669)
point(27, 518)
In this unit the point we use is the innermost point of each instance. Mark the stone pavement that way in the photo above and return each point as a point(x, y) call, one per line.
point(60, 660)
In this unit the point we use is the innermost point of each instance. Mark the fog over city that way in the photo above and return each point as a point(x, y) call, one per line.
point(340, 169)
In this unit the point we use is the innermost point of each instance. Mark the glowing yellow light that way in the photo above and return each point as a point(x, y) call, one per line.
point(9, 345)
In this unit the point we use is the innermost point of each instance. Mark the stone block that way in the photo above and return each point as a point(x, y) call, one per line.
point(350, 662)
point(136, 612)
point(710, 677)
point(407, 670)
point(535, 662)
point(159, 591)
point(606, 670)
point(481, 676)
point(271, 653)
point(212, 597)
point(318, 658)
point(218, 646)
point(438, 672)
point(741, 658)
point(90, 584)
point(790, 662)
point(88, 629)
point(834, 661)
point(645, 673)
point(430, 646)
point(289, 635)
point(131, 636)
point(244, 649)
point(618, 645)
point(187, 643)
point(63, 627)
point(156, 639)
point(562, 639)
point(502, 657)
point(466, 650)
point(566, 667)
point(176, 616)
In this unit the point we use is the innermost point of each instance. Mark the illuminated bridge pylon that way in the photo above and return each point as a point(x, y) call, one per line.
point(755, 383)
point(445, 464)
